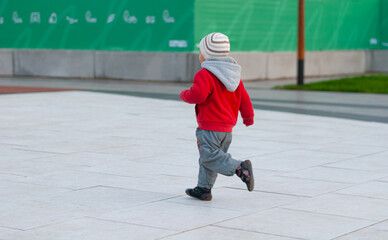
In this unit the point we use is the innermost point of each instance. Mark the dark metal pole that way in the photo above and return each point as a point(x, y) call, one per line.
point(301, 43)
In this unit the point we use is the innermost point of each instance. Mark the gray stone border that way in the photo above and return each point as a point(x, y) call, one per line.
point(180, 67)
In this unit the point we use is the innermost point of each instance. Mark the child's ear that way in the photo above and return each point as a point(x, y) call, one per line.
point(201, 58)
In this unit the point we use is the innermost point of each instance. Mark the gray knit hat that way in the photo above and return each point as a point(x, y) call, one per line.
point(214, 45)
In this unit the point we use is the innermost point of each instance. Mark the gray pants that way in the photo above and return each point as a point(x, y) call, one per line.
point(213, 157)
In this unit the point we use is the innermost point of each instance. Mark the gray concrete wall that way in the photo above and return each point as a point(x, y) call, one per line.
point(335, 63)
point(317, 64)
point(6, 62)
point(144, 65)
point(254, 64)
point(54, 63)
point(278, 65)
point(281, 65)
point(379, 61)
point(182, 66)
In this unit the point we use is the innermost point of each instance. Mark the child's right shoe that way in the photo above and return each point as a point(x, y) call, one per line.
point(203, 194)
point(245, 172)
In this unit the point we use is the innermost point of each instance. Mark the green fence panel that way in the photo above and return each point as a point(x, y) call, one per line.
point(252, 25)
point(271, 25)
point(384, 24)
point(178, 25)
point(342, 24)
point(147, 25)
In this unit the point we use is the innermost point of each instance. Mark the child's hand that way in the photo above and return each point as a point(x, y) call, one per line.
point(248, 122)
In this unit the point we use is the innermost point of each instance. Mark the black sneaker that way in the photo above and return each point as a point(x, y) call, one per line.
point(245, 172)
point(200, 193)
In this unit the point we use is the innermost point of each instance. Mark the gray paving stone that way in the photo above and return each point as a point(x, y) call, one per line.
point(345, 205)
point(128, 168)
point(177, 158)
point(379, 139)
point(384, 179)
point(296, 224)
point(6, 232)
point(10, 177)
point(294, 160)
point(377, 162)
point(28, 214)
point(381, 226)
point(137, 151)
point(97, 200)
point(15, 153)
point(365, 234)
point(73, 179)
point(373, 189)
point(256, 141)
point(14, 191)
point(76, 180)
point(93, 229)
point(355, 149)
point(35, 167)
point(215, 232)
point(169, 215)
point(226, 198)
point(333, 174)
point(294, 186)
point(85, 159)
point(245, 152)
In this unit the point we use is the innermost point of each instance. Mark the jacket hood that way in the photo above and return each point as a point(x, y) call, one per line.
point(226, 70)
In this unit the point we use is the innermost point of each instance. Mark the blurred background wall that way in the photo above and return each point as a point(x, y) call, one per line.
point(157, 40)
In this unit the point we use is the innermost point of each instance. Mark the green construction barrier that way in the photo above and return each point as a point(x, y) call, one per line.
point(384, 23)
point(271, 25)
point(147, 25)
point(178, 25)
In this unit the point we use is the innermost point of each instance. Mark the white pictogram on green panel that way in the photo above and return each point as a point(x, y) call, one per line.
point(167, 18)
point(53, 18)
point(16, 19)
point(35, 17)
point(150, 19)
point(128, 18)
point(71, 20)
point(89, 18)
point(111, 18)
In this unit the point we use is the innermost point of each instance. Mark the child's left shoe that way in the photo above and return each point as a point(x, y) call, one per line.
point(245, 172)
point(203, 194)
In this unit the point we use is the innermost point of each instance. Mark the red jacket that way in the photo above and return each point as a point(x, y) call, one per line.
point(217, 108)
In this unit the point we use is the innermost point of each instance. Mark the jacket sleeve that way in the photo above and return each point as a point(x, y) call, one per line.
point(246, 107)
point(199, 92)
